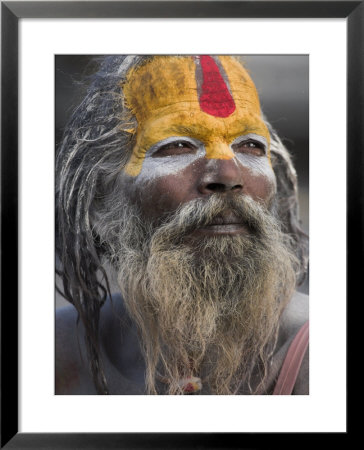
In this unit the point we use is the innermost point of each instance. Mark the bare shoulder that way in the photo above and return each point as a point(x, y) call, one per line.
point(70, 357)
point(295, 314)
point(73, 376)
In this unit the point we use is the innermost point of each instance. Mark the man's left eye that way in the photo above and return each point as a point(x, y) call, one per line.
point(250, 147)
point(175, 148)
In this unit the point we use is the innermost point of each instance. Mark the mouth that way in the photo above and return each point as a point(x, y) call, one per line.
point(227, 224)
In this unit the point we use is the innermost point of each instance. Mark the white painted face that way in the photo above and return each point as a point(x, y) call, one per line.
point(156, 165)
point(173, 154)
point(257, 164)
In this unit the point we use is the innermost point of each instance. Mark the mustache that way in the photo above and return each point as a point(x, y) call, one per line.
point(217, 209)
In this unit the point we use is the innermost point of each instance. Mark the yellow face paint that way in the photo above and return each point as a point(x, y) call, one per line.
point(181, 96)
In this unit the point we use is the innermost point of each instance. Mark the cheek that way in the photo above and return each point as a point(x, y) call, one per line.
point(162, 185)
point(259, 177)
point(155, 169)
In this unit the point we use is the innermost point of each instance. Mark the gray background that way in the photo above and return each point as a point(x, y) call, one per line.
point(283, 85)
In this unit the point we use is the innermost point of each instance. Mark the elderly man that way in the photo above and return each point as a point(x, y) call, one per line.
point(170, 180)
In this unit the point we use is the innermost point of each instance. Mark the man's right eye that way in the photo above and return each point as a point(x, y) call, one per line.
point(175, 148)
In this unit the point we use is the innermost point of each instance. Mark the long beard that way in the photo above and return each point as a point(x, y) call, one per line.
point(206, 307)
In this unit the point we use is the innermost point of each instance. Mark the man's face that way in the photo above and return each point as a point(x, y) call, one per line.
point(199, 133)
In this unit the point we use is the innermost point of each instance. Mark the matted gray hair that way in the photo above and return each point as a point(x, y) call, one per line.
point(97, 143)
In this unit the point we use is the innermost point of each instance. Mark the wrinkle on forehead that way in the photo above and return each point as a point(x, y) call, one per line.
point(163, 95)
point(161, 82)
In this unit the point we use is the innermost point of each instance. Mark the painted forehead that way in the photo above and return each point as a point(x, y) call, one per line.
point(197, 92)
point(219, 85)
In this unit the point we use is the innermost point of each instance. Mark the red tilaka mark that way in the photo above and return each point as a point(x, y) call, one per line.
point(215, 98)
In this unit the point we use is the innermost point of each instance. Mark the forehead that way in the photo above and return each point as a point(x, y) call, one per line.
point(212, 99)
point(218, 86)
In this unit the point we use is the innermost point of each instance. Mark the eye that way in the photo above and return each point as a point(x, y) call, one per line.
point(175, 148)
point(249, 147)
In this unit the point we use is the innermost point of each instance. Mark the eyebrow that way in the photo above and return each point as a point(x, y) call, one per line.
point(188, 130)
point(195, 130)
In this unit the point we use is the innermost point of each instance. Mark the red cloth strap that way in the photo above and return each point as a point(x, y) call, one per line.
point(292, 363)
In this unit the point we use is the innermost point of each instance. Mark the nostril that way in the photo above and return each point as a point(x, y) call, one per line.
point(216, 187)
point(221, 187)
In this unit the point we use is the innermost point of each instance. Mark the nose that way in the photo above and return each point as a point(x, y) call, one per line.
point(220, 176)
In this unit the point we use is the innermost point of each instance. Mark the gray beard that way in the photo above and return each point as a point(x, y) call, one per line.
point(207, 307)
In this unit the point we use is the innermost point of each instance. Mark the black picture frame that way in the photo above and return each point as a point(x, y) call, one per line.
point(11, 12)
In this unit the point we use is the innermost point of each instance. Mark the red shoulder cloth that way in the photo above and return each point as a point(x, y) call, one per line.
point(292, 363)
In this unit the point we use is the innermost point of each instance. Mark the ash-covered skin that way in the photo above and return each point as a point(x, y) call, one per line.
point(258, 165)
point(155, 167)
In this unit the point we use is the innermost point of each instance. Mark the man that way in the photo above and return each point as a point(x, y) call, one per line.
point(170, 179)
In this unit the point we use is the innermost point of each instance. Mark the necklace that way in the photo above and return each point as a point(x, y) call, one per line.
point(189, 385)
